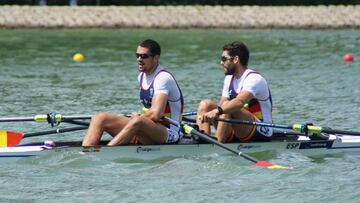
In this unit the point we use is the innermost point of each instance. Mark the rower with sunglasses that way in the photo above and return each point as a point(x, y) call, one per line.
point(161, 96)
point(245, 96)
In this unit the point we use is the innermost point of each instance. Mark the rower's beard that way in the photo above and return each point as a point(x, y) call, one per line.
point(230, 71)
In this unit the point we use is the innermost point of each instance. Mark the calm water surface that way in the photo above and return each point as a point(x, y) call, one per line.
point(308, 79)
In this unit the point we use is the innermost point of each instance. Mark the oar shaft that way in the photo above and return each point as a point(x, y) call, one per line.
point(60, 118)
point(341, 132)
point(190, 113)
point(272, 125)
point(59, 130)
point(213, 141)
point(76, 122)
point(296, 127)
point(188, 129)
point(44, 118)
point(13, 119)
point(190, 120)
point(77, 117)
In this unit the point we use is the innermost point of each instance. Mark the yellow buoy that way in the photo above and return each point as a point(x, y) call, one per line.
point(78, 57)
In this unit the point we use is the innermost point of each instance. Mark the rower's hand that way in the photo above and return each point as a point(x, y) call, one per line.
point(209, 116)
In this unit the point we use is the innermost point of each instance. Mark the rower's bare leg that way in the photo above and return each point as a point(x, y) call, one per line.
point(223, 129)
point(146, 130)
point(242, 130)
point(204, 107)
point(103, 122)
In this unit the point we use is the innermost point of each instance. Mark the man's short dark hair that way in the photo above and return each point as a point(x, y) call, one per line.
point(238, 48)
point(152, 45)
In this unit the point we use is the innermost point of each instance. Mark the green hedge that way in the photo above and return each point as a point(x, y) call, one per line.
point(183, 2)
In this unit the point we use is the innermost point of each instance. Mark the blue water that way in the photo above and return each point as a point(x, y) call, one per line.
point(307, 77)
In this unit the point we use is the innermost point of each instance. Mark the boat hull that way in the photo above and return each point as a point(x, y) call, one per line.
point(337, 144)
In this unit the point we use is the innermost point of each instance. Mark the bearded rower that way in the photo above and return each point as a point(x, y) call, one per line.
point(245, 96)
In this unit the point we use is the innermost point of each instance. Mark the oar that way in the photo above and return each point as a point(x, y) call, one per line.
point(303, 128)
point(53, 117)
point(189, 120)
point(76, 122)
point(190, 130)
point(10, 139)
point(190, 113)
point(44, 118)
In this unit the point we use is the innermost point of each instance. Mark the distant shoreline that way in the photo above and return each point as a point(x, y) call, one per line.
point(235, 17)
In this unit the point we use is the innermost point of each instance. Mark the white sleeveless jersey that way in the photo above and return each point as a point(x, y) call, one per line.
point(261, 106)
point(161, 81)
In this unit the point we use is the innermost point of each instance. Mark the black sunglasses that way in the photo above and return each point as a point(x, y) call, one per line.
point(224, 58)
point(143, 56)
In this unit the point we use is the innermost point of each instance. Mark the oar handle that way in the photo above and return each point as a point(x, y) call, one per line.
point(306, 128)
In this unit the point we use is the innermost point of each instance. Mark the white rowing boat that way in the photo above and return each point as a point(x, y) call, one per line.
point(327, 141)
point(292, 143)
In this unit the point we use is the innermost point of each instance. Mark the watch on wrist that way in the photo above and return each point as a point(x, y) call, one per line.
point(220, 110)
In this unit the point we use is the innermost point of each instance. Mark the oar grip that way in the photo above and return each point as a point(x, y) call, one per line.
point(187, 129)
point(314, 129)
point(40, 118)
point(45, 118)
point(307, 128)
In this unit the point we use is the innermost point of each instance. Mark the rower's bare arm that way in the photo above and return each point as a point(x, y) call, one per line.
point(222, 100)
point(158, 105)
point(229, 107)
point(237, 103)
point(209, 116)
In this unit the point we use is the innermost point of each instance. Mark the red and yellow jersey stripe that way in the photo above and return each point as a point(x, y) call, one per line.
point(254, 107)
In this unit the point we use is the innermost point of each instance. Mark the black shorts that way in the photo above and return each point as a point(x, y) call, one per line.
point(254, 136)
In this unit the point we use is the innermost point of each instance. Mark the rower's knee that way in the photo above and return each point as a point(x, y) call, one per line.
point(102, 120)
point(136, 122)
point(206, 105)
point(100, 117)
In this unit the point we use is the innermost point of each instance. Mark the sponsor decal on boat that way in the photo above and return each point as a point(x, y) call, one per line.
point(317, 144)
point(147, 149)
point(247, 146)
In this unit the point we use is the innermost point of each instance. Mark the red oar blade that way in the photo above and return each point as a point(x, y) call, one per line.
point(10, 139)
point(269, 165)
